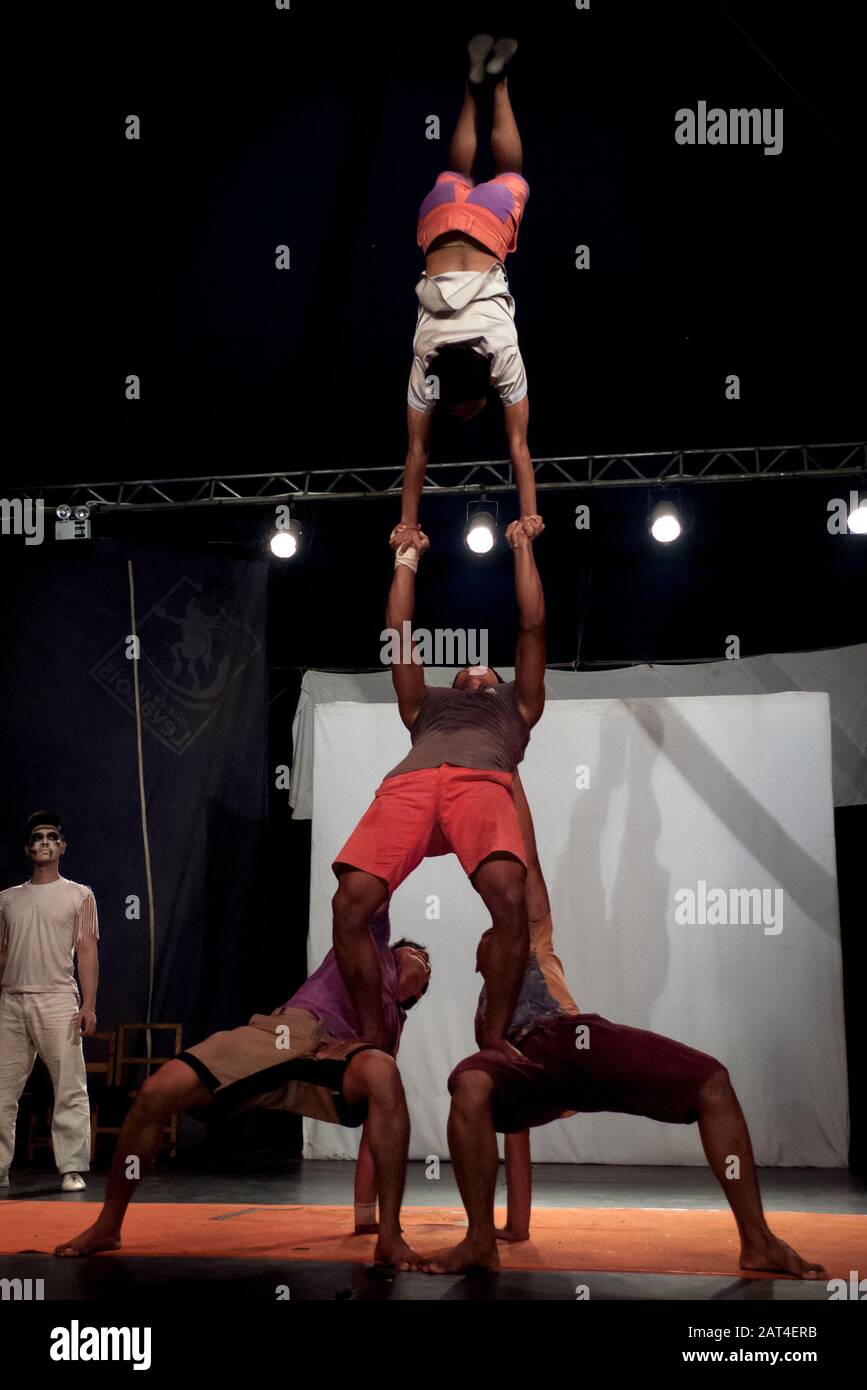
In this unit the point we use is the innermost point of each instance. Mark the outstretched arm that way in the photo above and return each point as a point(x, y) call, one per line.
point(538, 902)
point(519, 1188)
point(530, 648)
point(409, 544)
point(516, 419)
point(418, 428)
point(365, 1189)
point(539, 905)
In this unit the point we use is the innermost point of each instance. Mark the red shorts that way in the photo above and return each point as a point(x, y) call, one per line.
point(466, 811)
point(627, 1070)
point(489, 212)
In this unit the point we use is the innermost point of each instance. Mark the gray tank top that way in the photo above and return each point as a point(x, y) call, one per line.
point(483, 729)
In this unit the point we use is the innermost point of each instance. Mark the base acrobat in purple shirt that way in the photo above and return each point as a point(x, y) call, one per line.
point(325, 995)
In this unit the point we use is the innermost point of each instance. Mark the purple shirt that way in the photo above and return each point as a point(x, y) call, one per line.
point(325, 995)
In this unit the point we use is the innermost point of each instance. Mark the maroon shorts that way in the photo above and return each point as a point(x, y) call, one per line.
point(627, 1070)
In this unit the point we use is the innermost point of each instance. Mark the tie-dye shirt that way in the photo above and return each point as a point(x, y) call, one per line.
point(544, 993)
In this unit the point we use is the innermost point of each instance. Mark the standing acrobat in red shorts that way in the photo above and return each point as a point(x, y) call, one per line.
point(451, 794)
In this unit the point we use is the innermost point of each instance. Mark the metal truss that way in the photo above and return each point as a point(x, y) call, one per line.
point(666, 469)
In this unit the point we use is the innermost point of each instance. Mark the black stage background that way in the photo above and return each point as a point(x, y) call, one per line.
point(307, 128)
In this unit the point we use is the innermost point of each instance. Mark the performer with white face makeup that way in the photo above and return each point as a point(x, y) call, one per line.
point(45, 924)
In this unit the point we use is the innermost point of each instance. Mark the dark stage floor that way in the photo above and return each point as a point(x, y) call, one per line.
point(327, 1183)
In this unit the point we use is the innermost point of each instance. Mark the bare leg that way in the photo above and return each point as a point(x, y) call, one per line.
point(725, 1137)
point(506, 144)
point(501, 881)
point(473, 1147)
point(464, 144)
point(373, 1076)
point(174, 1087)
point(358, 897)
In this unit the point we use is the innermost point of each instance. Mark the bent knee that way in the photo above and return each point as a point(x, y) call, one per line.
point(471, 1089)
point(508, 901)
point(375, 1073)
point(167, 1089)
point(354, 901)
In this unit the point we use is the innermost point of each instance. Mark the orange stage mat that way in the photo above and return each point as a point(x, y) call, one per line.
point(619, 1239)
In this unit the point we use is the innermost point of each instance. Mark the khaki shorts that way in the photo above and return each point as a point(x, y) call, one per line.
point(280, 1061)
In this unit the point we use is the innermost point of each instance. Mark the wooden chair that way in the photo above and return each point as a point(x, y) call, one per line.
point(114, 1096)
point(128, 1062)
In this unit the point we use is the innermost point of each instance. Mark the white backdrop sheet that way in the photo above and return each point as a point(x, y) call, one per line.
point(841, 672)
point(734, 791)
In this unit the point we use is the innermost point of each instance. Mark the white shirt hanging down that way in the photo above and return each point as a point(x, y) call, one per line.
point(40, 926)
point(472, 307)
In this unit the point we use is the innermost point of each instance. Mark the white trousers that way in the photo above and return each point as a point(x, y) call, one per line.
point(41, 1024)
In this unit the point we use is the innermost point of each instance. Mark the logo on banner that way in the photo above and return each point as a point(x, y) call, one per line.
point(190, 650)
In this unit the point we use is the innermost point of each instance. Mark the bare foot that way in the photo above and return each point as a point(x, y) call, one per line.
point(464, 1257)
point(90, 1242)
point(512, 1237)
point(776, 1255)
point(392, 1252)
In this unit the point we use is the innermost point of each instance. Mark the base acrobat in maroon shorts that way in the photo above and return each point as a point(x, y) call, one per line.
point(627, 1070)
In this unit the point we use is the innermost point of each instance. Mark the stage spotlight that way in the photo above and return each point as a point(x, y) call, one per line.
point(858, 519)
point(481, 528)
point(480, 534)
point(284, 541)
point(283, 544)
point(72, 523)
point(664, 523)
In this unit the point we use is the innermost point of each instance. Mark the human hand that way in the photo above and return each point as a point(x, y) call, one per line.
point(533, 525)
point(84, 1023)
point(404, 535)
point(516, 535)
point(501, 1045)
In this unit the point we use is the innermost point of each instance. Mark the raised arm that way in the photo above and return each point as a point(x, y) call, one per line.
point(418, 429)
point(409, 544)
point(530, 648)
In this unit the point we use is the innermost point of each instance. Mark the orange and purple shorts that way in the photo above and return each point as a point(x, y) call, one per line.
point(489, 212)
point(466, 811)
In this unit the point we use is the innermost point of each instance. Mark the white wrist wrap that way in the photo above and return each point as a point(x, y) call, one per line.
point(407, 555)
